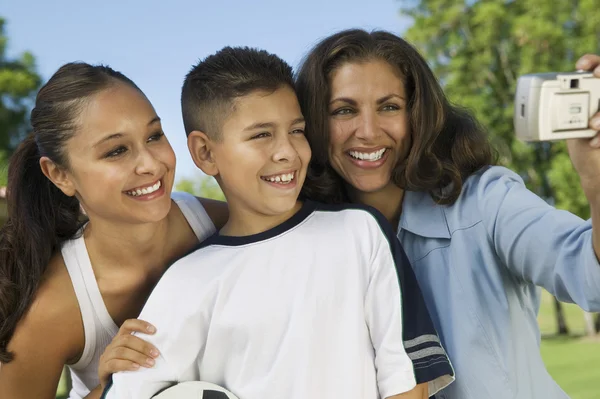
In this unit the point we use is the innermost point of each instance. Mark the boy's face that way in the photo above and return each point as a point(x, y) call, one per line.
point(263, 154)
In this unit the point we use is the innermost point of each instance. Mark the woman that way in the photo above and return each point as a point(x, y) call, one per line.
point(67, 284)
point(384, 134)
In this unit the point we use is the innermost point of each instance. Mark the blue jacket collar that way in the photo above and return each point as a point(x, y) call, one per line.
point(422, 216)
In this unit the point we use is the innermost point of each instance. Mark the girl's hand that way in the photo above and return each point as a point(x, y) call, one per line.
point(127, 352)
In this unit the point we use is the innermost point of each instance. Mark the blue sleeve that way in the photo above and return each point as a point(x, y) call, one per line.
point(540, 244)
point(421, 341)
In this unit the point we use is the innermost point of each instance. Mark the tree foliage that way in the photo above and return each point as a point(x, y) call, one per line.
point(478, 49)
point(201, 186)
point(19, 82)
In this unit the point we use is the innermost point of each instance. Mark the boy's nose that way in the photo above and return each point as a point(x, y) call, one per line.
point(284, 150)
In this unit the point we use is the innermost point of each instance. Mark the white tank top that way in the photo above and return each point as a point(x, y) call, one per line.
point(99, 328)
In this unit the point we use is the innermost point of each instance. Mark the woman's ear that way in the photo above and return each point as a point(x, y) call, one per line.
point(58, 176)
point(201, 149)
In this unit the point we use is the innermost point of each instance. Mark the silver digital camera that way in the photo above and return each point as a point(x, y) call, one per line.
point(556, 106)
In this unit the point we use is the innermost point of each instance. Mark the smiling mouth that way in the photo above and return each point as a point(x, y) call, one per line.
point(284, 178)
point(145, 190)
point(368, 156)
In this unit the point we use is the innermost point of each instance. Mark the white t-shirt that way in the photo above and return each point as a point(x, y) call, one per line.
point(98, 326)
point(312, 308)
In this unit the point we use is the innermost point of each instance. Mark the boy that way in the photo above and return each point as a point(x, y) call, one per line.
point(290, 299)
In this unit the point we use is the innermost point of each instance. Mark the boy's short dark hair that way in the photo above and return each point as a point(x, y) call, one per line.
point(211, 86)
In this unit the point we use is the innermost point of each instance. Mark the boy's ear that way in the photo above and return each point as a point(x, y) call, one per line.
point(58, 176)
point(201, 149)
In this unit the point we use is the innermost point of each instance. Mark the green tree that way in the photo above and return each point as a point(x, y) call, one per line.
point(18, 85)
point(479, 48)
point(201, 186)
point(3, 171)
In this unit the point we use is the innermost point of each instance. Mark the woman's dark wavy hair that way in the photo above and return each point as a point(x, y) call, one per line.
point(448, 144)
point(40, 216)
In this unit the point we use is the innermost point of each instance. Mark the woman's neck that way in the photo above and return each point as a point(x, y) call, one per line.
point(388, 201)
point(145, 245)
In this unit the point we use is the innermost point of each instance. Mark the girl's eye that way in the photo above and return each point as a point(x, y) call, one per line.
point(156, 137)
point(260, 135)
point(116, 152)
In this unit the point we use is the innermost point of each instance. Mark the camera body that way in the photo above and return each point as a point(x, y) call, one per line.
point(556, 106)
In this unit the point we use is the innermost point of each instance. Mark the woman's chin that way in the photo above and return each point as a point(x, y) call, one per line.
point(368, 186)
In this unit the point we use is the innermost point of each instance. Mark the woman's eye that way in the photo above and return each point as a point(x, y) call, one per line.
point(342, 111)
point(116, 152)
point(390, 107)
point(298, 131)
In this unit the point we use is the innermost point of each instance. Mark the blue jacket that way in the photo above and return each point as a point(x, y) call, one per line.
point(479, 263)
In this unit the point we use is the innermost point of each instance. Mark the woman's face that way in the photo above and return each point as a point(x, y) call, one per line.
point(121, 165)
point(368, 123)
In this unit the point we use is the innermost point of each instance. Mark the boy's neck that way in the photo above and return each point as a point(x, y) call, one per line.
point(245, 222)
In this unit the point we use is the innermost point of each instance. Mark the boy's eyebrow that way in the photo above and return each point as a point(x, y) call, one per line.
point(119, 135)
point(270, 125)
point(260, 125)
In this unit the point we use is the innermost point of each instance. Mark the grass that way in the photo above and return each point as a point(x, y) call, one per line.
point(572, 361)
point(61, 392)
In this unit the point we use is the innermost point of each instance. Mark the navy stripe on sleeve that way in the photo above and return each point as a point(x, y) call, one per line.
point(421, 340)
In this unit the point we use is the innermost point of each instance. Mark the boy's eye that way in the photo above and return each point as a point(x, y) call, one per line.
point(116, 152)
point(260, 135)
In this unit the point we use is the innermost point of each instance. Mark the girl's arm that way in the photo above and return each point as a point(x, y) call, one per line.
point(419, 392)
point(48, 336)
point(217, 211)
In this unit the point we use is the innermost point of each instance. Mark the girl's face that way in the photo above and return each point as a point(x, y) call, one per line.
point(368, 123)
point(121, 166)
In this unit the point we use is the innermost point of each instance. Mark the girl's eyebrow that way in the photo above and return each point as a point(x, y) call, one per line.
point(119, 135)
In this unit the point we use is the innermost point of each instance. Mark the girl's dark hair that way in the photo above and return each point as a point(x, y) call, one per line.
point(448, 144)
point(40, 216)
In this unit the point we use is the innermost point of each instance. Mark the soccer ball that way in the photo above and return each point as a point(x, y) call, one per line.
point(195, 390)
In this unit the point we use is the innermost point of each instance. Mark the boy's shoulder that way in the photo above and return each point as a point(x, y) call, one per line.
point(204, 253)
point(354, 213)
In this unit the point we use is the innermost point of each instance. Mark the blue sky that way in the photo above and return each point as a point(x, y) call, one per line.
point(156, 42)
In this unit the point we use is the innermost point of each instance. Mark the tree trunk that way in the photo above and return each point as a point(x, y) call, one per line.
point(560, 318)
point(590, 329)
point(597, 324)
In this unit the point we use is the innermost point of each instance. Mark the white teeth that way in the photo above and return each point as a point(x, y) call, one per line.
point(145, 190)
point(368, 156)
point(284, 178)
